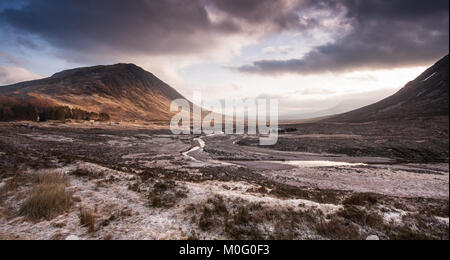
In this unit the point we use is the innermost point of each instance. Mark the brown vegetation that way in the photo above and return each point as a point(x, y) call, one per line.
point(238, 219)
point(48, 197)
point(338, 229)
point(165, 194)
point(88, 218)
point(362, 217)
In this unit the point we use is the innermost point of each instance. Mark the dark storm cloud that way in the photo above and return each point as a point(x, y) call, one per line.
point(278, 15)
point(385, 34)
point(156, 26)
point(144, 26)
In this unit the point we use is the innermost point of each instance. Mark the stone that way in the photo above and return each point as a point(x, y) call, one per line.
point(72, 238)
point(373, 238)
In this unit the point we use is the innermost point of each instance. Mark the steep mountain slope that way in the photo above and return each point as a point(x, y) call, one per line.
point(124, 91)
point(426, 96)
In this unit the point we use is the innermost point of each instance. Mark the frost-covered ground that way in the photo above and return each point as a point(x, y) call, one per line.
point(143, 183)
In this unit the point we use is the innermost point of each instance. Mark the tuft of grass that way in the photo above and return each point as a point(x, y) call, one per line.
point(88, 218)
point(50, 177)
point(48, 197)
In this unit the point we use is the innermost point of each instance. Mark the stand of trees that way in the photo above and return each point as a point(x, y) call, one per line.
point(32, 109)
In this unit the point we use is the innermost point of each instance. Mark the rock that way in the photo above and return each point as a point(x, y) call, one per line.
point(76, 199)
point(72, 237)
point(373, 238)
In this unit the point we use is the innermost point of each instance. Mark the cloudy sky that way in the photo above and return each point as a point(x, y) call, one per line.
point(312, 55)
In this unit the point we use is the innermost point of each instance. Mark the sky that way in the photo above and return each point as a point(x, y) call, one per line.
point(312, 55)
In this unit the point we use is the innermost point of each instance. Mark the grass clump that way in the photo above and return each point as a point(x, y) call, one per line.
point(88, 218)
point(48, 197)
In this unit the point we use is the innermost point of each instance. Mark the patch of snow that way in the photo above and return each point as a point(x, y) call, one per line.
point(382, 179)
point(135, 155)
point(372, 238)
point(118, 143)
point(394, 217)
point(186, 154)
point(443, 220)
point(201, 142)
point(72, 238)
point(432, 75)
point(50, 138)
point(239, 190)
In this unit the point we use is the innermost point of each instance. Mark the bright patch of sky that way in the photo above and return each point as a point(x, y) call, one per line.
point(297, 93)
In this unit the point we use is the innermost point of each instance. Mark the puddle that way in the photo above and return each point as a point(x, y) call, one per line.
point(313, 164)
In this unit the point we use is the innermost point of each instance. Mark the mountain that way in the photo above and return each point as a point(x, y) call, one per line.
point(124, 91)
point(426, 96)
point(342, 107)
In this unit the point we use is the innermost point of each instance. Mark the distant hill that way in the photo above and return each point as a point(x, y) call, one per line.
point(426, 96)
point(123, 91)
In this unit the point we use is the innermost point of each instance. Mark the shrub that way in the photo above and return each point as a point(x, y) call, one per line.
point(165, 194)
point(338, 229)
point(212, 213)
point(361, 217)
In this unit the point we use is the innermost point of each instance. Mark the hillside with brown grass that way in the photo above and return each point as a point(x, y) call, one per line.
point(123, 91)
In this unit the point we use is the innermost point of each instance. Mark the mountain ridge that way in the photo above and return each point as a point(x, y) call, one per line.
point(123, 90)
point(425, 96)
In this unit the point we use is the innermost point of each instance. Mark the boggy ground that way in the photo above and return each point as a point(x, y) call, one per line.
point(407, 140)
point(114, 182)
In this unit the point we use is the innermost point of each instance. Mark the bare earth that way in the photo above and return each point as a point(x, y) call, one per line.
point(144, 183)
